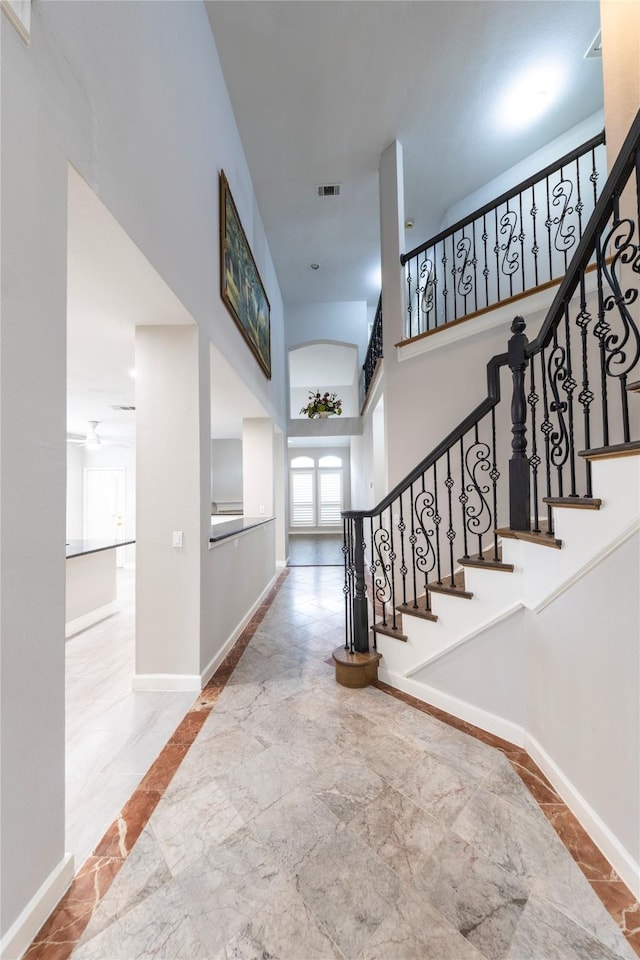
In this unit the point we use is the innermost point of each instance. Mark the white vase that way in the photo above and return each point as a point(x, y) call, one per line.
point(323, 415)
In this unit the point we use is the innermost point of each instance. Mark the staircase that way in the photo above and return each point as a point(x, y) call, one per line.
point(499, 580)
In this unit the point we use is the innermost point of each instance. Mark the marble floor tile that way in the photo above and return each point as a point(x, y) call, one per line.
point(440, 789)
point(480, 899)
point(414, 930)
point(544, 932)
point(518, 840)
point(349, 889)
point(401, 833)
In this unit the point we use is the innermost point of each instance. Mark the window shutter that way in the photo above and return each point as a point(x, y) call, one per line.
point(302, 506)
point(330, 498)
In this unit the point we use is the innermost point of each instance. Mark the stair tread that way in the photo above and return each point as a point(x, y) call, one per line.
point(388, 630)
point(418, 611)
point(578, 503)
point(542, 538)
point(634, 387)
point(455, 590)
point(614, 450)
point(487, 562)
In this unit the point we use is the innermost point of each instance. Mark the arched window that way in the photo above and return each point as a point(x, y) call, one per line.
point(316, 493)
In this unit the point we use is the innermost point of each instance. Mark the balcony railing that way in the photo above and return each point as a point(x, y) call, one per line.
point(374, 353)
point(516, 243)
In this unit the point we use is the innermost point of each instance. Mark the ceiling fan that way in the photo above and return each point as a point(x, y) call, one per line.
point(91, 439)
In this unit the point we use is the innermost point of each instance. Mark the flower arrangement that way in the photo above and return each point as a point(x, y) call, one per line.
point(322, 404)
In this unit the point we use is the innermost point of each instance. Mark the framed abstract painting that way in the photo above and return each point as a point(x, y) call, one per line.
point(240, 284)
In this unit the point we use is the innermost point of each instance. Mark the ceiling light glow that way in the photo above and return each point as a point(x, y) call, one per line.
point(530, 95)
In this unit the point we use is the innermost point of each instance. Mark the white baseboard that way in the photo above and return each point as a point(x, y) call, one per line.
point(87, 620)
point(217, 659)
point(282, 564)
point(20, 934)
point(490, 722)
point(167, 682)
point(619, 858)
point(194, 682)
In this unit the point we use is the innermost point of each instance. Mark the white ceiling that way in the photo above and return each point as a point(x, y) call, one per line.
point(320, 88)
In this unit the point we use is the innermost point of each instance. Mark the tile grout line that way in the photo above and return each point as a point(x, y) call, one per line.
point(61, 932)
point(622, 904)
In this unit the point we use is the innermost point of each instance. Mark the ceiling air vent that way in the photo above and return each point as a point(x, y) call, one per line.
point(328, 190)
point(117, 406)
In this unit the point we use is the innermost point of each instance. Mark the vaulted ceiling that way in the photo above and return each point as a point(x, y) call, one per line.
point(319, 88)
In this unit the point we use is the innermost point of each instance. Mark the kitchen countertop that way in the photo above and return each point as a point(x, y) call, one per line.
point(79, 548)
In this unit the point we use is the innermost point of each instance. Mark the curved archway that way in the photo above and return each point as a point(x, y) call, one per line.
point(324, 365)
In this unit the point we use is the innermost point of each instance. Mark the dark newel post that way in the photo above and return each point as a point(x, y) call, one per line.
point(360, 612)
point(519, 495)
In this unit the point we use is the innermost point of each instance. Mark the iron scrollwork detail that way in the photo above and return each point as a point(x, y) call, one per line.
point(564, 238)
point(510, 261)
point(424, 506)
point(557, 374)
point(426, 287)
point(465, 280)
point(381, 567)
point(623, 350)
point(477, 510)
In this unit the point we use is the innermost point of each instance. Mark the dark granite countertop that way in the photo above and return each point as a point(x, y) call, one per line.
point(221, 531)
point(79, 548)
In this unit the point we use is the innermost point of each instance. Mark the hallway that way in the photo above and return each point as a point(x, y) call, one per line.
point(312, 821)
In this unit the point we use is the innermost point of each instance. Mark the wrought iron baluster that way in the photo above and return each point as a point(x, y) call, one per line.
point(424, 507)
point(521, 237)
point(594, 177)
point(444, 278)
point(569, 385)
point(547, 427)
point(495, 476)
point(451, 533)
point(585, 397)
point(392, 571)
point(485, 269)
point(435, 288)
point(497, 253)
point(436, 521)
point(601, 331)
point(413, 540)
point(548, 224)
point(557, 369)
point(409, 303)
point(348, 639)
point(535, 249)
point(464, 499)
point(478, 512)
point(474, 263)
point(534, 459)
point(579, 203)
point(454, 285)
point(403, 565)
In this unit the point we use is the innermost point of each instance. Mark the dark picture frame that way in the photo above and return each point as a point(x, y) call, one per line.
point(240, 284)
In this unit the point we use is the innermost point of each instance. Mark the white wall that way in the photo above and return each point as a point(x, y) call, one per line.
point(257, 458)
point(149, 129)
point(226, 470)
point(583, 704)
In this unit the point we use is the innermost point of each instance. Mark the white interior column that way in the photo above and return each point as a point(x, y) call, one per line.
point(172, 504)
point(280, 480)
point(391, 176)
point(620, 25)
point(258, 467)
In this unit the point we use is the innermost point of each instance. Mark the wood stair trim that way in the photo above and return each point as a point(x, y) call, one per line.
point(457, 590)
point(419, 611)
point(577, 503)
point(486, 563)
point(615, 450)
point(543, 539)
point(634, 387)
point(388, 631)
